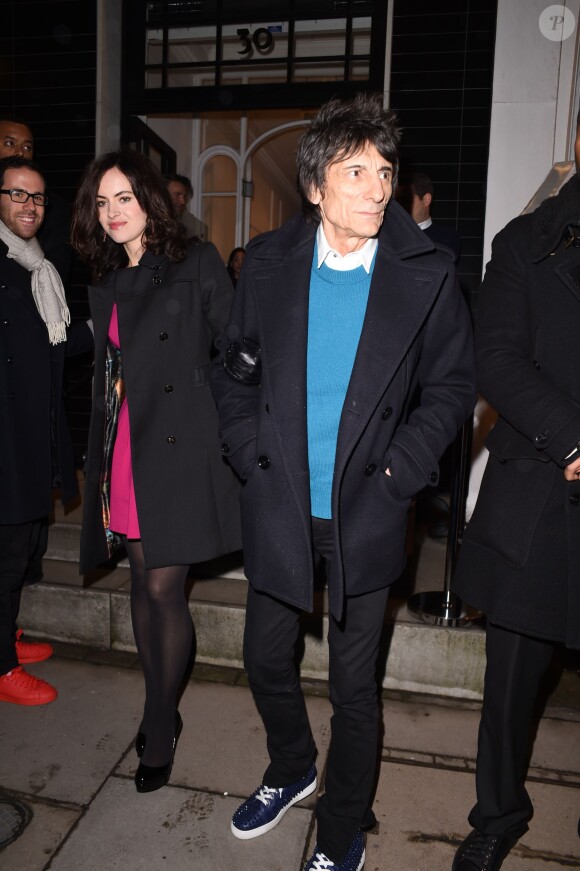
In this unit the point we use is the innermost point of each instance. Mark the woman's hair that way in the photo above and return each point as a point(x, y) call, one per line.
point(233, 254)
point(163, 233)
point(338, 130)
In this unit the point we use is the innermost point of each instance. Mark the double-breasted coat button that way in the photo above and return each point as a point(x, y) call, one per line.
point(370, 468)
point(6, 323)
point(541, 439)
point(536, 365)
point(264, 462)
point(386, 412)
point(574, 499)
point(10, 359)
point(171, 440)
point(434, 477)
point(163, 336)
point(156, 279)
point(168, 388)
point(225, 448)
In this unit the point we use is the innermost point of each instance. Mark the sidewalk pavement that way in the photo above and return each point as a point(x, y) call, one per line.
point(71, 764)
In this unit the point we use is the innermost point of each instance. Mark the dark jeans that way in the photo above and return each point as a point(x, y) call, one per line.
point(515, 666)
point(22, 547)
point(269, 642)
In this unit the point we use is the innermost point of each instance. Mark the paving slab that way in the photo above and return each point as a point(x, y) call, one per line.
point(422, 813)
point(177, 830)
point(222, 747)
point(46, 830)
point(450, 733)
point(65, 750)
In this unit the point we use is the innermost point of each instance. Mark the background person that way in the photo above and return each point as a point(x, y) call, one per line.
point(235, 263)
point(520, 557)
point(181, 192)
point(17, 140)
point(35, 444)
point(155, 477)
point(415, 193)
point(343, 302)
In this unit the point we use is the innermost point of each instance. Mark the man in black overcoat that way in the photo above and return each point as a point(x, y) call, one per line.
point(35, 447)
point(346, 370)
point(520, 558)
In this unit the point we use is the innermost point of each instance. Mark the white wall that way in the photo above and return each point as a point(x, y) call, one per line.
point(533, 108)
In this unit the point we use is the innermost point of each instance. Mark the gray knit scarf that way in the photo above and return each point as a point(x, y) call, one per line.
point(47, 288)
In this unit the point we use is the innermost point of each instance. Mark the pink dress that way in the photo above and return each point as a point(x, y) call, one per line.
point(123, 510)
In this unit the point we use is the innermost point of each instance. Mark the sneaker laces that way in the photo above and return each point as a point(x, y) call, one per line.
point(480, 849)
point(23, 678)
point(266, 794)
point(322, 863)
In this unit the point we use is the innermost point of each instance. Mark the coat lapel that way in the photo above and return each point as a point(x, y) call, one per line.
point(400, 297)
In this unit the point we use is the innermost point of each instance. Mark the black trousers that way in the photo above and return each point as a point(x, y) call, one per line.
point(269, 655)
point(22, 547)
point(515, 666)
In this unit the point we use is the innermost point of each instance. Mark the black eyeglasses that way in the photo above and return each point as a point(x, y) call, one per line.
point(23, 196)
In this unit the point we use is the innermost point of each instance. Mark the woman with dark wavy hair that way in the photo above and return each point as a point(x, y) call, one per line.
point(155, 478)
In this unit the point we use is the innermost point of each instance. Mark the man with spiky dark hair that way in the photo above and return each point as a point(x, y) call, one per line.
point(346, 371)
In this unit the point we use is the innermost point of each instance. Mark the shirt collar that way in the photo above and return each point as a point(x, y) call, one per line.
point(423, 225)
point(363, 257)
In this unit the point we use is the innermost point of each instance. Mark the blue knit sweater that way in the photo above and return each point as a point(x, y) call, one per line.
point(336, 311)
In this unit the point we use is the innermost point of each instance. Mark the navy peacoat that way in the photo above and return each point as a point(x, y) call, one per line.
point(416, 340)
point(520, 557)
point(170, 315)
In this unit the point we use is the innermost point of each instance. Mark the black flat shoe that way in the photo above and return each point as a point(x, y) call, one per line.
point(480, 852)
point(141, 737)
point(148, 778)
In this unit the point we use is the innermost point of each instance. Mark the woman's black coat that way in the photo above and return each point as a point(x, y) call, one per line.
point(520, 559)
point(169, 316)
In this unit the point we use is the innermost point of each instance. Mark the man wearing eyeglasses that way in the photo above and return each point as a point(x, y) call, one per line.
point(35, 447)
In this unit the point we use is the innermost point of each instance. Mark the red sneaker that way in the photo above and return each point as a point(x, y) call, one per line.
point(21, 688)
point(31, 651)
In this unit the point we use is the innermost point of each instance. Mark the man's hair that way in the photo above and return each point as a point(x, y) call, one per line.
point(339, 130)
point(14, 119)
point(163, 233)
point(419, 181)
point(182, 179)
point(18, 163)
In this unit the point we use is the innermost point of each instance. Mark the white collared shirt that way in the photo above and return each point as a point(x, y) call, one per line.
point(363, 257)
point(424, 224)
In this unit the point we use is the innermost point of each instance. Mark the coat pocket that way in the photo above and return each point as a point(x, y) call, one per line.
point(511, 500)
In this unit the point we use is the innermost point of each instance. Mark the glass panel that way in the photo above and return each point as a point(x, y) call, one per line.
point(359, 71)
point(220, 175)
point(218, 129)
point(255, 41)
point(219, 213)
point(254, 74)
point(154, 47)
point(192, 44)
point(320, 38)
point(361, 36)
point(315, 72)
point(153, 78)
point(188, 77)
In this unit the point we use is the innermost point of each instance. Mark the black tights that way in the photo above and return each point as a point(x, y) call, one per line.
point(164, 634)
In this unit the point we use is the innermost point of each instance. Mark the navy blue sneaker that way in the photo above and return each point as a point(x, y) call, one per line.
point(353, 861)
point(266, 806)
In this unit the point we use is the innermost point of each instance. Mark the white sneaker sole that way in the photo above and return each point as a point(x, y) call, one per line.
point(261, 830)
point(362, 861)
